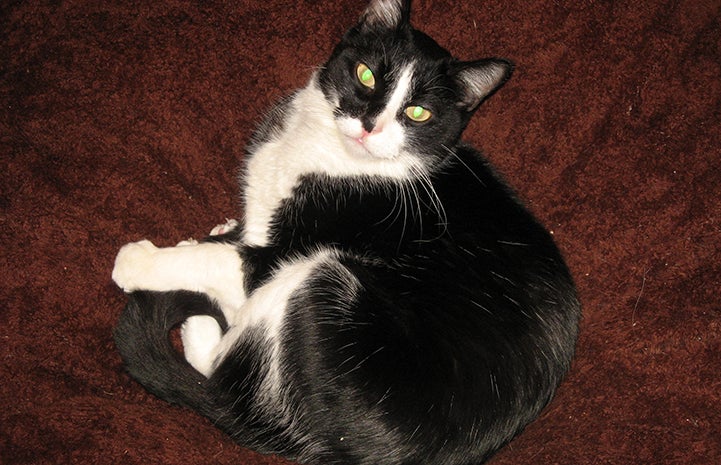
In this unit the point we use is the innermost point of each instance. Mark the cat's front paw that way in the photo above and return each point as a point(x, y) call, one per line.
point(225, 228)
point(133, 261)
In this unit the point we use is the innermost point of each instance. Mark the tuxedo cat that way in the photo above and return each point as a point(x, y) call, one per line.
point(386, 298)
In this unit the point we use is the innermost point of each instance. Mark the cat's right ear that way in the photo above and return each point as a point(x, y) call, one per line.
point(478, 80)
point(385, 14)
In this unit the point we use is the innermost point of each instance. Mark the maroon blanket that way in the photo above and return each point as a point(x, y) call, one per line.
point(127, 120)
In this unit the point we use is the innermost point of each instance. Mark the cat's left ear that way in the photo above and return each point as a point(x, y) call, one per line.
point(478, 80)
point(385, 14)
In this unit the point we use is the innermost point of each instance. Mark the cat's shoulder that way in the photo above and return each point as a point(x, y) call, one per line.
point(272, 123)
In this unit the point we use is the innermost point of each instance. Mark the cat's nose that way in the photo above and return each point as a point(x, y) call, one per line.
point(371, 126)
point(365, 134)
point(375, 130)
point(368, 125)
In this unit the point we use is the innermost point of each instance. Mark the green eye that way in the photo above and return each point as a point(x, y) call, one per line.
point(418, 114)
point(365, 75)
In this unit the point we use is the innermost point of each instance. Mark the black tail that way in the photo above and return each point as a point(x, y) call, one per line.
point(143, 339)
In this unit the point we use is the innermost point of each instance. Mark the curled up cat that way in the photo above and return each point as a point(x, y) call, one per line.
point(386, 298)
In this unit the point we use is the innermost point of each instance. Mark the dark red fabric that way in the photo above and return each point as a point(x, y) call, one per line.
point(127, 120)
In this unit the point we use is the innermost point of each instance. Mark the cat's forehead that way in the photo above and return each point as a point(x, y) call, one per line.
point(391, 63)
point(398, 47)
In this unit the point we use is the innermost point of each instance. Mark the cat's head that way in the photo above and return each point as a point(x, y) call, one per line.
point(396, 92)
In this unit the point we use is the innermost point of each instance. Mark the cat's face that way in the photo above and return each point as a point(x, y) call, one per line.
point(397, 92)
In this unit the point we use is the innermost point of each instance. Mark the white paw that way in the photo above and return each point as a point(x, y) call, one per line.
point(200, 335)
point(133, 260)
point(229, 225)
point(190, 241)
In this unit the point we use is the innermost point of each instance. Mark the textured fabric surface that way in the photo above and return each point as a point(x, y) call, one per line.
point(127, 120)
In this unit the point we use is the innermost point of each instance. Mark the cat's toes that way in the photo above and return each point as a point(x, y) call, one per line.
point(190, 241)
point(228, 226)
point(132, 260)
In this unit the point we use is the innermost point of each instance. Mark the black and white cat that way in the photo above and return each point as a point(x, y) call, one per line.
point(386, 298)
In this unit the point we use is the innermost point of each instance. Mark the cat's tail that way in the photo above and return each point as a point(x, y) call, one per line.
point(143, 339)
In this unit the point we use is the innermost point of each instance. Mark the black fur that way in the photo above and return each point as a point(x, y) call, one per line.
point(143, 333)
point(436, 335)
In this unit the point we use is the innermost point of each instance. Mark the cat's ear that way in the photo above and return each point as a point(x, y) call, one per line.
point(477, 80)
point(385, 14)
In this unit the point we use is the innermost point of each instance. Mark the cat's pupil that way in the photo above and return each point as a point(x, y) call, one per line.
point(365, 75)
point(418, 114)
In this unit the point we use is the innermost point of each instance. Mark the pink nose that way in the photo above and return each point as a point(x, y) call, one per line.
point(365, 133)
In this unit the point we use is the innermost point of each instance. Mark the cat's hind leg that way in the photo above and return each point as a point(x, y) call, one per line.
point(211, 268)
point(201, 334)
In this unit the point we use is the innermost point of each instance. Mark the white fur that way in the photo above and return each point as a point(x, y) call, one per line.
point(267, 307)
point(387, 12)
point(312, 142)
point(229, 225)
point(214, 269)
point(201, 335)
point(398, 100)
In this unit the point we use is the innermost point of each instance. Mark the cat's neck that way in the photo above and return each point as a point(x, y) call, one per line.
point(310, 143)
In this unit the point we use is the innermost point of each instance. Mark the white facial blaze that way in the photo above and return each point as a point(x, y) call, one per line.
point(387, 139)
point(399, 96)
point(388, 136)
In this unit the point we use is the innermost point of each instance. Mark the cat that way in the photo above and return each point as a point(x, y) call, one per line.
point(386, 299)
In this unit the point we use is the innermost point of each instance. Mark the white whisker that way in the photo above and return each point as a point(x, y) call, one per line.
point(435, 203)
point(454, 155)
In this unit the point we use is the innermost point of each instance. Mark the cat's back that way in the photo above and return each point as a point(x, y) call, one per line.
point(463, 333)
